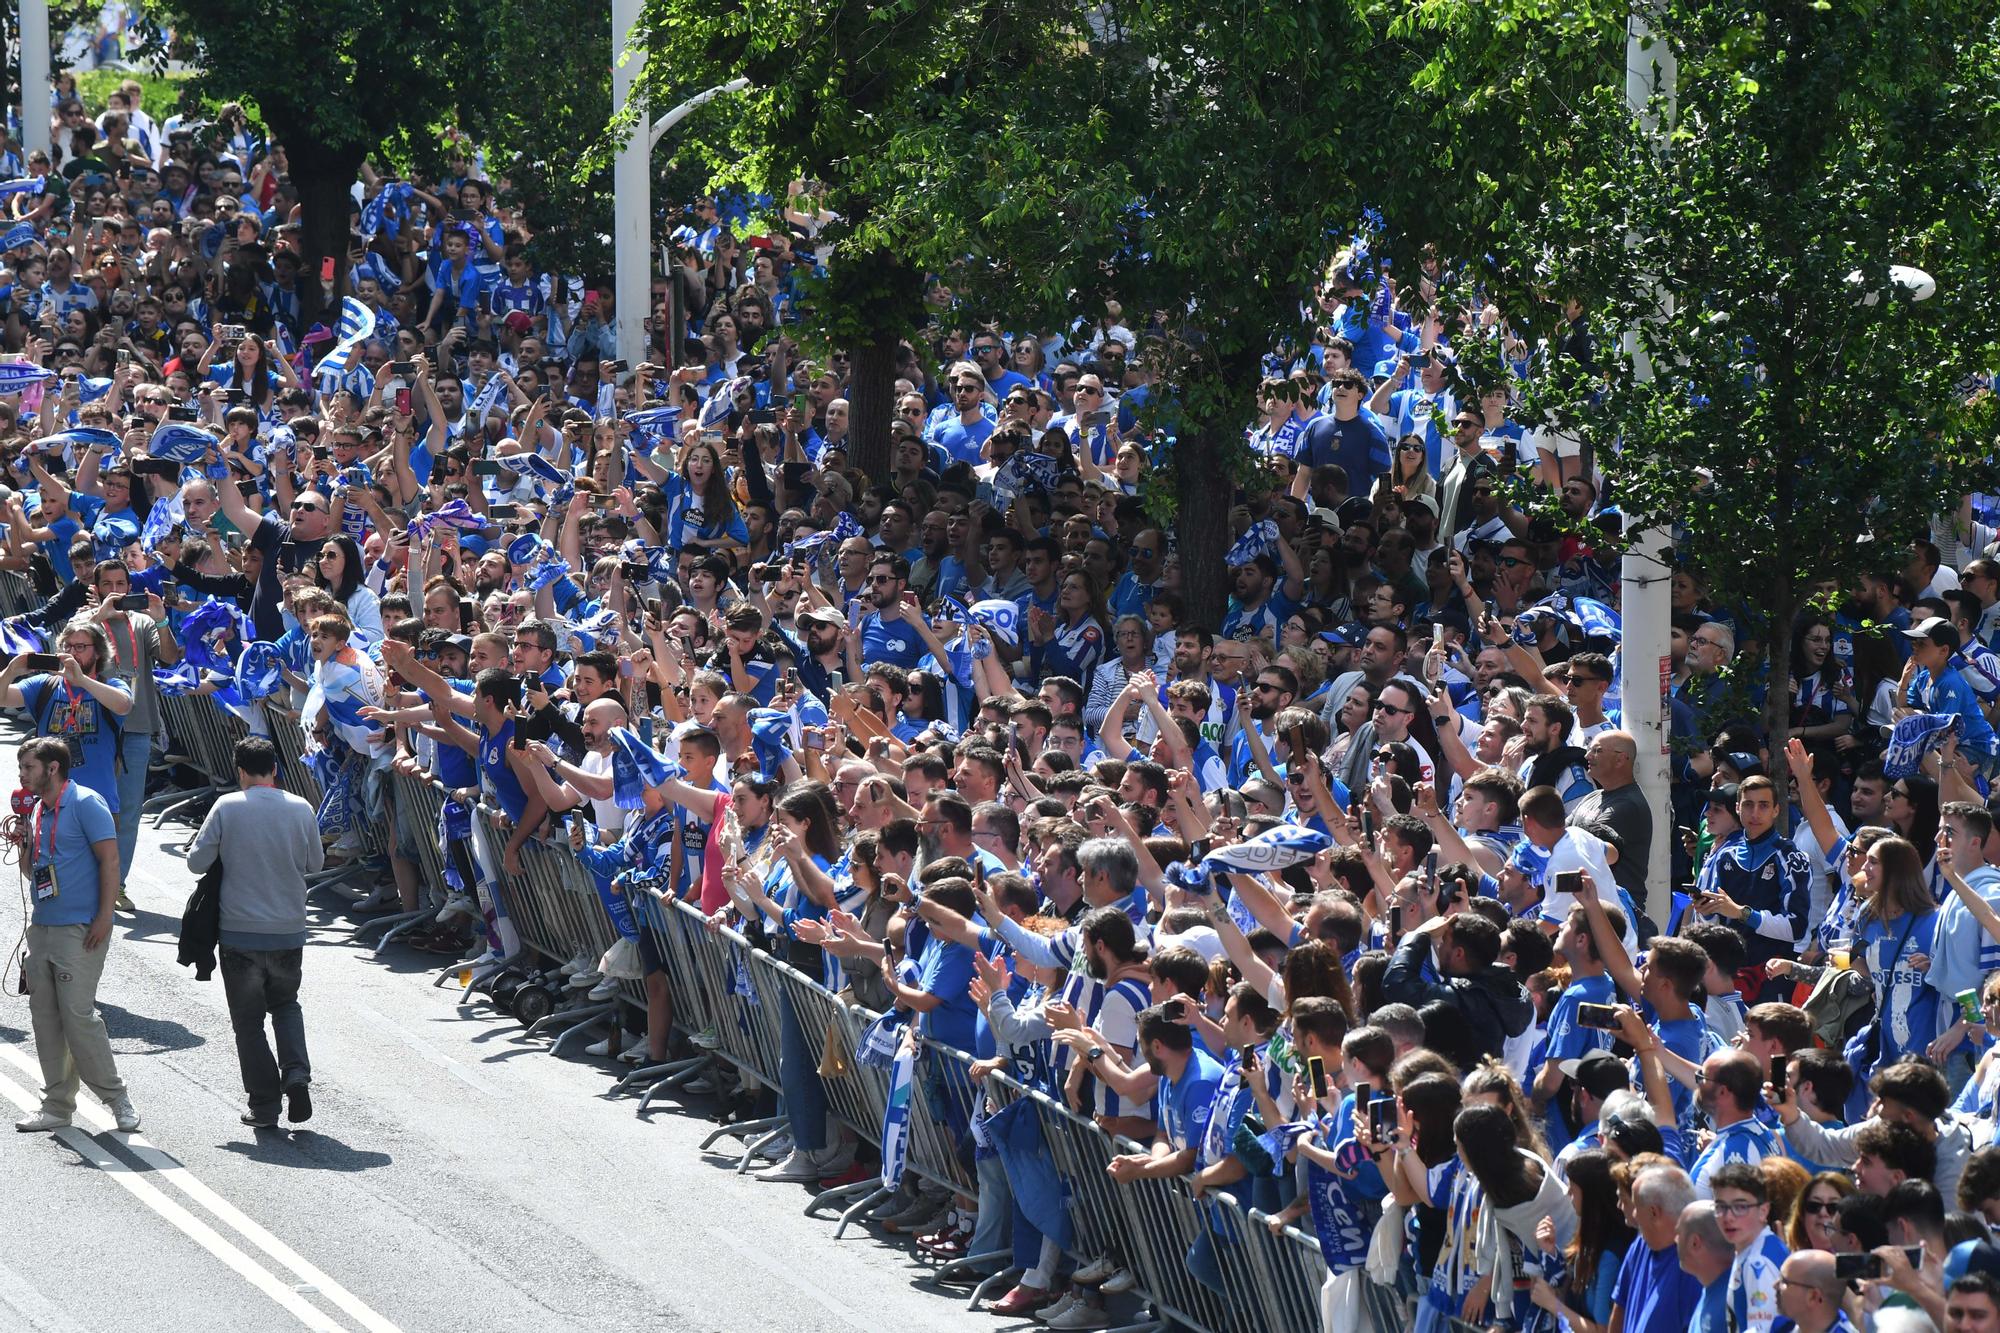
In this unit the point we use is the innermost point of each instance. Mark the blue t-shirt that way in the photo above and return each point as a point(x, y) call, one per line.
point(1657, 1295)
point(65, 837)
point(498, 777)
point(961, 441)
point(1181, 1108)
point(1568, 1039)
point(91, 731)
point(1360, 445)
point(890, 641)
point(947, 974)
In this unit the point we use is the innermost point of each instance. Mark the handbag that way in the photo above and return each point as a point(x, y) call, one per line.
point(1864, 1048)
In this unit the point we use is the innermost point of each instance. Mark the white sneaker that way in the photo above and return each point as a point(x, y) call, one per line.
point(578, 962)
point(708, 1039)
point(42, 1123)
point(1119, 1282)
point(797, 1169)
point(778, 1149)
point(1060, 1305)
point(124, 1116)
point(1082, 1315)
point(699, 1086)
point(605, 989)
point(585, 980)
point(603, 1047)
point(832, 1161)
point(459, 905)
point(1095, 1271)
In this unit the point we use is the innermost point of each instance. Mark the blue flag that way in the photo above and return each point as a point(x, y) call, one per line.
point(896, 1120)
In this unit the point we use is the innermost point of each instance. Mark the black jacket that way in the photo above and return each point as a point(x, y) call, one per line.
point(1485, 1010)
point(201, 923)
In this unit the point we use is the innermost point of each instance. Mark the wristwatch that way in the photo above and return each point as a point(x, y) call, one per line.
point(1093, 1055)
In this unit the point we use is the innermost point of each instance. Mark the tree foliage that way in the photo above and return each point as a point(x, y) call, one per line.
point(1201, 163)
point(334, 81)
point(1802, 420)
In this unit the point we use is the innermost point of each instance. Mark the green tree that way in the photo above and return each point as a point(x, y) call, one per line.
point(1780, 401)
point(1202, 163)
point(831, 87)
point(334, 82)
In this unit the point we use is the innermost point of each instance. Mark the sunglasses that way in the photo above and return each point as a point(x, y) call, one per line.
point(1383, 707)
point(1823, 1206)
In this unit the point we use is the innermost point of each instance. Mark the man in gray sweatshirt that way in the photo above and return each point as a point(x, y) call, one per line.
point(268, 842)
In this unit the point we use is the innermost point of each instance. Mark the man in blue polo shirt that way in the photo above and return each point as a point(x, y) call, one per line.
point(73, 881)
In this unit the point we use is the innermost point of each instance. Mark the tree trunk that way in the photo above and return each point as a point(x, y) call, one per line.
point(871, 405)
point(1203, 494)
point(324, 179)
point(1778, 657)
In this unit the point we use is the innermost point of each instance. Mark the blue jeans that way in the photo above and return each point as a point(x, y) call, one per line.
point(136, 750)
point(1204, 1259)
point(798, 1079)
point(261, 983)
point(996, 1207)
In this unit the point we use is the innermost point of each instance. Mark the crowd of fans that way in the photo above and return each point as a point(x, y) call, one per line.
point(1338, 904)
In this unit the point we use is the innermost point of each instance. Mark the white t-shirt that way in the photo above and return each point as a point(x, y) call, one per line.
point(610, 818)
point(1580, 849)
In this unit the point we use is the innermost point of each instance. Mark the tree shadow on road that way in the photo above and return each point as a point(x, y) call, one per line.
point(306, 1150)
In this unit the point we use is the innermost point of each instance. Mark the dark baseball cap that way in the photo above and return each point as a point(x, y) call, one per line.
point(1599, 1073)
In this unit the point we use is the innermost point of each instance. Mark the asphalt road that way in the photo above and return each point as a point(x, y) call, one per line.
point(454, 1176)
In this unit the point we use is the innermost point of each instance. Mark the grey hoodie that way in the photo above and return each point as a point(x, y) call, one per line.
point(1835, 1147)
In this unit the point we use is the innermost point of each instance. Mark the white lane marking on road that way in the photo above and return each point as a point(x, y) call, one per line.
point(168, 1168)
point(790, 1278)
point(37, 1311)
point(425, 1049)
point(180, 1218)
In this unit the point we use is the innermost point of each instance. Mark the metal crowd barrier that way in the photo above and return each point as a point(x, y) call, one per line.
point(17, 593)
point(417, 802)
point(728, 997)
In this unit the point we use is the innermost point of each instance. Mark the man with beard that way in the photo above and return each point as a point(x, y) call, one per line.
point(1260, 602)
point(933, 547)
point(1547, 757)
point(1275, 688)
point(286, 548)
point(946, 830)
point(819, 648)
point(1486, 1001)
point(1143, 575)
point(1378, 660)
point(886, 632)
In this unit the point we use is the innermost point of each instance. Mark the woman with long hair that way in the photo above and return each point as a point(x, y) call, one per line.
point(1895, 927)
point(1822, 689)
point(1409, 475)
point(1355, 709)
point(700, 509)
point(1911, 808)
point(1583, 1298)
point(1814, 1220)
point(1073, 640)
point(339, 570)
point(1522, 1193)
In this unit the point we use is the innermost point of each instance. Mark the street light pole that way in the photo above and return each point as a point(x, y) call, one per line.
point(1645, 571)
point(34, 26)
point(631, 184)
